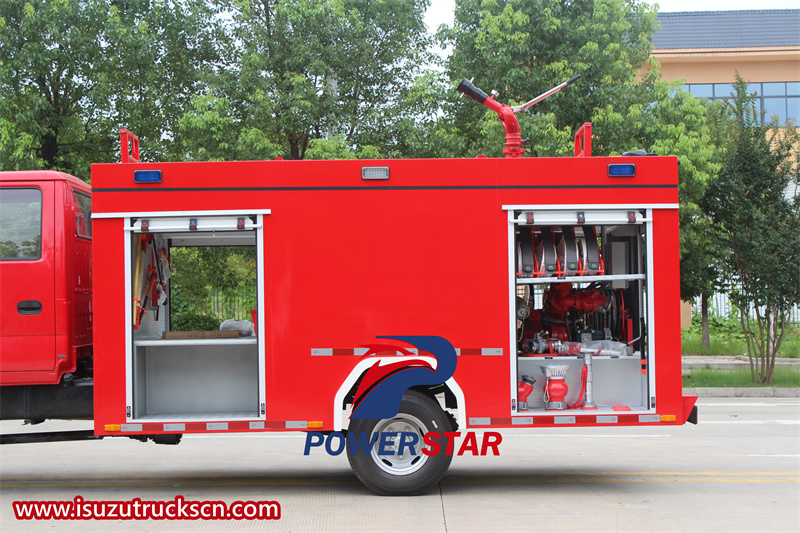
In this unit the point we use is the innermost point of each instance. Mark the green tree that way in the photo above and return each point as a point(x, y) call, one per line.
point(701, 272)
point(308, 70)
point(159, 54)
point(73, 72)
point(699, 264)
point(759, 226)
point(197, 273)
point(47, 66)
point(673, 122)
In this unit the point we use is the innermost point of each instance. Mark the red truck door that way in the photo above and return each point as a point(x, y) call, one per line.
point(82, 270)
point(27, 279)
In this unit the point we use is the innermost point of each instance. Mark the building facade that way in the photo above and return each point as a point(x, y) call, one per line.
point(707, 48)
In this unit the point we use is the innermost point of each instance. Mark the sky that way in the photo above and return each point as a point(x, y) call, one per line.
point(441, 11)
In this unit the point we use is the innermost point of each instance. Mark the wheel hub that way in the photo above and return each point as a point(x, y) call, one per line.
point(412, 458)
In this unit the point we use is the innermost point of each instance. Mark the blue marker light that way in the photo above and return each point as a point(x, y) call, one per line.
point(147, 176)
point(621, 170)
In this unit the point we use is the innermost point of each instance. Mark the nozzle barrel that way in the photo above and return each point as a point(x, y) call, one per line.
point(468, 88)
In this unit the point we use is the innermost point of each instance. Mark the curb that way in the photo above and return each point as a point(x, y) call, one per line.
point(743, 392)
point(728, 362)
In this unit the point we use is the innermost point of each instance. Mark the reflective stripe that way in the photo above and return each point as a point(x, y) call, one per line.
point(295, 424)
point(217, 426)
point(324, 352)
point(131, 427)
point(256, 425)
point(174, 427)
point(356, 351)
point(479, 351)
point(553, 419)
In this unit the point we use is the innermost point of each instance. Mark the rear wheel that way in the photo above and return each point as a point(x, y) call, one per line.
point(405, 471)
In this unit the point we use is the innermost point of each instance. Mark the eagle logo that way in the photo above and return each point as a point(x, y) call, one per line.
point(381, 390)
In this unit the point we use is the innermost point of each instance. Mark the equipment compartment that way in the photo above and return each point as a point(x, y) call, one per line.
point(205, 376)
point(579, 312)
point(202, 379)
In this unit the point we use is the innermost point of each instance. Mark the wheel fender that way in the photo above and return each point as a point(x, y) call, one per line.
point(362, 367)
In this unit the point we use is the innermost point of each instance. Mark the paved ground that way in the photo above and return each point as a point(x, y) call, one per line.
point(738, 470)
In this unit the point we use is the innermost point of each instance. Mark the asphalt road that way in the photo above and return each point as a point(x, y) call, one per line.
point(738, 470)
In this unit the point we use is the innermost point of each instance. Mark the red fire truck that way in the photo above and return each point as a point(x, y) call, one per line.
point(518, 293)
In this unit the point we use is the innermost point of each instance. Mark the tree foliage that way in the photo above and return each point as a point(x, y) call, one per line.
point(198, 274)
point(73, 72)
point(758, 224)
point(47, 72)
point(701, 272)
point(310, 71)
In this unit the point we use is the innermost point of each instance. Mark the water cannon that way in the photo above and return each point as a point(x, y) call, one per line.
point(508, 114)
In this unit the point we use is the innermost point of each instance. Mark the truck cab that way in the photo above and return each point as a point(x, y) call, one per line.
point(46, 291)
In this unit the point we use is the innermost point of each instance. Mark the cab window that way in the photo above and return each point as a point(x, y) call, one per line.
point(20, 224)
point(83, 215)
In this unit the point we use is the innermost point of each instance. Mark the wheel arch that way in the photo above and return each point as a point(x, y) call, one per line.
point(454, 396)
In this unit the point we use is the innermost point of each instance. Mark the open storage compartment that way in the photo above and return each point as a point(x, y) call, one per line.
point(188, 375)
point(579, 311)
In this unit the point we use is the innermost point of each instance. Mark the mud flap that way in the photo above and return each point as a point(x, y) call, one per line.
point(690, 409)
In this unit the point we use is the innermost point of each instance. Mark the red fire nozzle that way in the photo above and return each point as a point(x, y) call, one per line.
point(505, 113)
point(524, 389)
point(508, 114)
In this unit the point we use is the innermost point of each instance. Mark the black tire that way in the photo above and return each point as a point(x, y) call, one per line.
point(409, 474)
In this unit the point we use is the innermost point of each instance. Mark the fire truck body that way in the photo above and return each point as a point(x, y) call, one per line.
point(399, 298)
point(349, 251)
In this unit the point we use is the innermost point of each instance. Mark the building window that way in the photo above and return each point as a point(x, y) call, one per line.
point(702, 90)
point(772, 98)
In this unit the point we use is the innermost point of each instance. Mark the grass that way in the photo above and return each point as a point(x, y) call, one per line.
point(692, 344)
point(727, 339)
point(740, 377)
